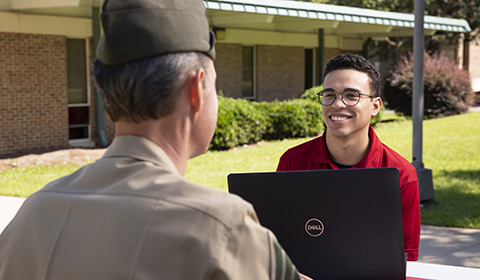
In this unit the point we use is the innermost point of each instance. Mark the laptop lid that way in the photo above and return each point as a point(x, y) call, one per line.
point(334, 224)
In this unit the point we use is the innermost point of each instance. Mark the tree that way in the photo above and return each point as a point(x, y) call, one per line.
point(405, 6)
point(462, 9)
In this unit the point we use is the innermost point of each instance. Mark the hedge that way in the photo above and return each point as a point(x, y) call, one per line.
point(239, 122)
point(292, 119)
point(245, 122)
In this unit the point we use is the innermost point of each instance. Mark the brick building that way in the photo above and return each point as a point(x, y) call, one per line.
point(266, 50)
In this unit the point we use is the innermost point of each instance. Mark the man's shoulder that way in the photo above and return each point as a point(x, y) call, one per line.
point(142, 183)
point(225, 208)
point(391, 158)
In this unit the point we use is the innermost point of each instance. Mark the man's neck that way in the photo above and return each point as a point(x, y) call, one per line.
point(347, 150)
point(172, 144)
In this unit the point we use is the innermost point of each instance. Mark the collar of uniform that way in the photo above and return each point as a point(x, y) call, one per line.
point(139, 148)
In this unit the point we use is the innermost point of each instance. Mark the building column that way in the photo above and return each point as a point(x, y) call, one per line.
point(321, 55)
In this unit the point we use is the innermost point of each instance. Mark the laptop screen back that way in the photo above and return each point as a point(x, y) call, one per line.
point(334, 224)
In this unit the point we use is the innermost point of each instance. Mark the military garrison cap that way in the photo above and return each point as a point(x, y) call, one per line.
point(136, 29)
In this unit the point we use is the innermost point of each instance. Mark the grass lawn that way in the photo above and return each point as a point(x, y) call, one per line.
point(23, 182)
point(451, 150)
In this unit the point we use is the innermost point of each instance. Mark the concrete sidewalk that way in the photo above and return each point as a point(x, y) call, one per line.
point(8, 208)
point(450, 246)
point(438, 245)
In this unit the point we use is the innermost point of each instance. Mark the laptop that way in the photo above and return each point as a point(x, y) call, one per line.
point(334, 224)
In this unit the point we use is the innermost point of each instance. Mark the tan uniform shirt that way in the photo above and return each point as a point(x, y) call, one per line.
point(131, 215)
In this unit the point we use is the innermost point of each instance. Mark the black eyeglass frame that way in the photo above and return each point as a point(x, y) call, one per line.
point(360, 94)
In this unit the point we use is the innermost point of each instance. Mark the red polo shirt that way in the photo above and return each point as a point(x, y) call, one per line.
point(313, 155)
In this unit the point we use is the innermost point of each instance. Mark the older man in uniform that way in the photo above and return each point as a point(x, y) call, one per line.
point(132, 214)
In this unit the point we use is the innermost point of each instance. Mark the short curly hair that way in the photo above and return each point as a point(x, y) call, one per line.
point(359, 63)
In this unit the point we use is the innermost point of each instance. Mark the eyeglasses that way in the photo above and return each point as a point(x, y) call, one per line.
point(350, 97)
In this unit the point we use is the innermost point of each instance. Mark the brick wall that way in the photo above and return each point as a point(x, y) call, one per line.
point(228, 64)
point(33, 93)
point(280, 72)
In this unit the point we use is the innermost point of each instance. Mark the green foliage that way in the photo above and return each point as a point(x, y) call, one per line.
point(239, 122)
point(24, 181)
point(245, 122)
point(468, 10)
point(447, 89)
point(390, 49)
point(311, 93)
point(464, 9)
point(383, 5)
point(378, 118)
point(293, 119)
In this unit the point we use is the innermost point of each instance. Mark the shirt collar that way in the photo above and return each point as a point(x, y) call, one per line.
point(140, 148)
point(321, 154)
point(371, 159)
point(374, 155)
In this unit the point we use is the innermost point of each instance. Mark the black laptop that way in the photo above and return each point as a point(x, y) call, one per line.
point(334, 224)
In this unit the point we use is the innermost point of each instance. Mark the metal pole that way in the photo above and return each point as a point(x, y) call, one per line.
point(417, 99)
point(425, 181)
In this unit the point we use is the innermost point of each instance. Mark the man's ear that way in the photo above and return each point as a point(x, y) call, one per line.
point(196, 90)
point(377, 105)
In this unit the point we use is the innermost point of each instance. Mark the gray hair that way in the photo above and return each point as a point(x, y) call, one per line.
point(147, 88)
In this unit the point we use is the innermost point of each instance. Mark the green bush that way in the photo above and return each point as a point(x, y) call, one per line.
point(378, 118)
point(293, 119)
point(447, 89)
point(239, 122)
point(311, 93)
point(244, 122)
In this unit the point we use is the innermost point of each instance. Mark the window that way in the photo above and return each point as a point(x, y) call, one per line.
point(309, 71)
point(248, 74)
point(78, 101)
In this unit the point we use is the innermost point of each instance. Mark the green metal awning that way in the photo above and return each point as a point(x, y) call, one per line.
point(294, 16)
point(277, 15)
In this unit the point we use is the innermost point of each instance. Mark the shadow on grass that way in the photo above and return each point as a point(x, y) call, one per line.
point(457, 200)
point(462, 174)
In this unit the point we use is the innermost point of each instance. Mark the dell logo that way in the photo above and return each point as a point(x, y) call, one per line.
point(314, 227)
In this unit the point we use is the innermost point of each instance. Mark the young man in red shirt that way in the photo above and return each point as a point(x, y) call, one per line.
point(350, 98)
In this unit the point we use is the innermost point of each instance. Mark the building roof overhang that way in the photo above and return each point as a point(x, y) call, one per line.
point(279, 15)
point(294, 16)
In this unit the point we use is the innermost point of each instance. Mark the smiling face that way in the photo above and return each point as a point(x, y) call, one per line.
point(343, 121)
